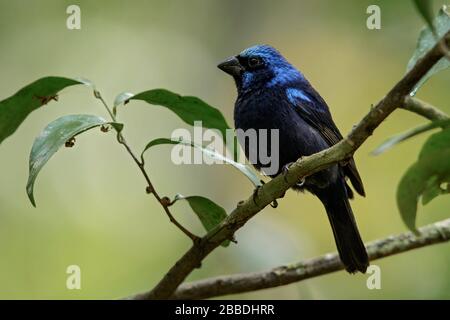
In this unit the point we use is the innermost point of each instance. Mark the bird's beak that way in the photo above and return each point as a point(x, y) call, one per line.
point(231, 66)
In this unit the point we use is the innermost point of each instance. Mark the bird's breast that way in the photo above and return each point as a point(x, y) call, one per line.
point(258, 110)
point(265, 111)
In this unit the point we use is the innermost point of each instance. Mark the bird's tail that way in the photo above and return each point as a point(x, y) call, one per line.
point(351, 248)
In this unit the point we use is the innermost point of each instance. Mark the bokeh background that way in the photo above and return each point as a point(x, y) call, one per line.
point(92, 210)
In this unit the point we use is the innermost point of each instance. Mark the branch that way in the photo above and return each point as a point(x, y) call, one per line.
point(432, 234)
point(303, 167)
point(424, 109)
point(164, 202)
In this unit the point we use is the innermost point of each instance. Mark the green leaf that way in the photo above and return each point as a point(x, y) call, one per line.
point(389, 143)
point(427, 40)
point(425, 177)
point(15, 109)
point(87, 83)
point(414, 183)
point(408, 193)
point(122, 98)
point(436, 143)
point(425, 8)
point(432, 190)
point(209, 213)
point(55, 135)
point(245, 169)
point(189, 109)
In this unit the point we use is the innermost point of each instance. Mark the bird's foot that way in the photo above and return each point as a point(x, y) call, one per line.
point(301, 183)
point(274, 203)
point(255, 192)
point(285, 171)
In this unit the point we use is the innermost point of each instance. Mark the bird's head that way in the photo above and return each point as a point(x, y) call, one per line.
point(259, 66)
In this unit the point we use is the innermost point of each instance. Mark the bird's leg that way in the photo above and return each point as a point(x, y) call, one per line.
point(274, 203)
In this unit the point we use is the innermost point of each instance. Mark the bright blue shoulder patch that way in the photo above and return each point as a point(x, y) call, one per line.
point(294, 94)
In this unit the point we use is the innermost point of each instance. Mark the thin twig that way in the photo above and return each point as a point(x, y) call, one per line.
point(424, 109)
point(150, 188)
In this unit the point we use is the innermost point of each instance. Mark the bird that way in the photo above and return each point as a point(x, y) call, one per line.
point(273, 94)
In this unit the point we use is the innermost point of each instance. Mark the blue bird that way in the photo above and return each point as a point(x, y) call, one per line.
point(273, 94)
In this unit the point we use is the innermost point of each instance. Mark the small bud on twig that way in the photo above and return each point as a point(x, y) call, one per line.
point(97, 94)
point(165, 201)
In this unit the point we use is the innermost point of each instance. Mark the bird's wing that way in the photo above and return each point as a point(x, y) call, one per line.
point(314, 110)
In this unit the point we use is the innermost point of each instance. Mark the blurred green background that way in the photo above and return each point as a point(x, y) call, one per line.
point(92, 210)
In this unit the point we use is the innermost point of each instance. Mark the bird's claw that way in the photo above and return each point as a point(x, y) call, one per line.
point(301, 183)
point(255, 192)
point(273, 204)
point(285, 170)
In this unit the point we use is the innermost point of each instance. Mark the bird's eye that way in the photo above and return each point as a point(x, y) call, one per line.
point(254, 62)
